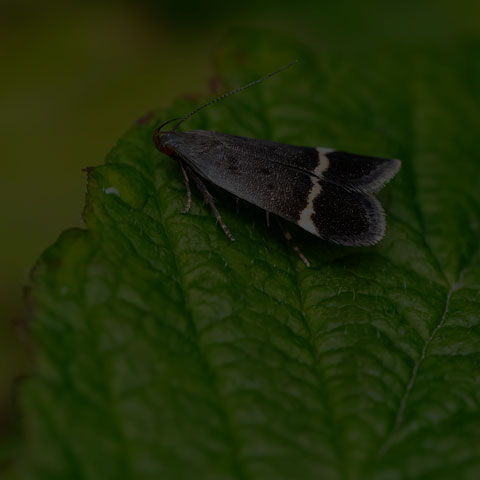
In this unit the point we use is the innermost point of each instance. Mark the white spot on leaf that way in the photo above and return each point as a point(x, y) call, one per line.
point(111, 191)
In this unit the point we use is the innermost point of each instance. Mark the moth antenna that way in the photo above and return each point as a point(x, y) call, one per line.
point(158, 129)
point(233, 92)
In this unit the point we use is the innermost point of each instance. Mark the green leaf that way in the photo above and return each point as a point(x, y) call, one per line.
point(167, 351)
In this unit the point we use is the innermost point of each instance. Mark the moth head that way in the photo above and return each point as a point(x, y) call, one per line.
point(160, 140)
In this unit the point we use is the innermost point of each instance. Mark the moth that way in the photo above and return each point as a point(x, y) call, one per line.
point(329, 193)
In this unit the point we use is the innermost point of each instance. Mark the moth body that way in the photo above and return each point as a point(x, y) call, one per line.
point(327, 192)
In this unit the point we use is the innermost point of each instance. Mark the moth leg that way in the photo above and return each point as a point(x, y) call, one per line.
point(289, 239)
point(187, 186)
point(209, 199)
point(267, 217)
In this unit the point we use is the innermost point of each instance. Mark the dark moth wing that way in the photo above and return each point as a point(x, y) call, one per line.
point(328, 193)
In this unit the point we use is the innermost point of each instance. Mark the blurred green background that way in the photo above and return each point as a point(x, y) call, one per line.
point(75, 75)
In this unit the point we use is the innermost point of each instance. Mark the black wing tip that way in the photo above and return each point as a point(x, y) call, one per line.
point(389, 169)
point(383, 175)
point(370, 174)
